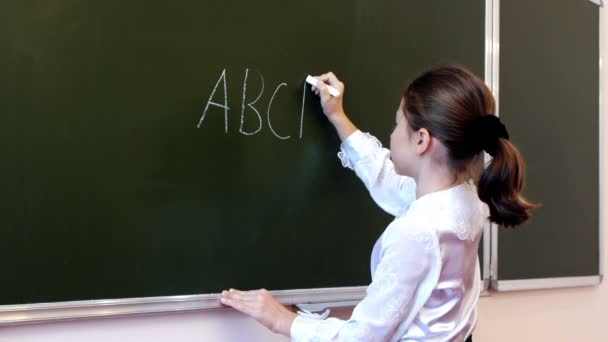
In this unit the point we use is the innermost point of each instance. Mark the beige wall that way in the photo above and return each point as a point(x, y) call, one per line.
point(557, 315)
point(579, 314)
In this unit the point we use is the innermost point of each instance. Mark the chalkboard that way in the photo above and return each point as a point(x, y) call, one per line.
point(155, 148)
point(549, 100)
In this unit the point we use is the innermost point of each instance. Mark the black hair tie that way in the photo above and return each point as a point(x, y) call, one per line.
point(486, 132)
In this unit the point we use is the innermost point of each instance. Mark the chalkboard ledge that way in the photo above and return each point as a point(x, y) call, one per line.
point(74, 310)
point(545, 283)
point(309, 299)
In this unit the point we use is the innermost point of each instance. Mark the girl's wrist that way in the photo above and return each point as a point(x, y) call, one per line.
point(284, 327)
point(344, 127)
point(337, 117)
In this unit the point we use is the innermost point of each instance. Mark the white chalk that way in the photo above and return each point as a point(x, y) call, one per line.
point(313, 81)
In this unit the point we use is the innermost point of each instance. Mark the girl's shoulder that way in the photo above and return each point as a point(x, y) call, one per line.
point(409, 229)
point(458, 212)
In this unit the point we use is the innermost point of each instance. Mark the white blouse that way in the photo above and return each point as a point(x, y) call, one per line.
point(425, 271)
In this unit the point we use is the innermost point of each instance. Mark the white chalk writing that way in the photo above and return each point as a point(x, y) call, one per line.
point(268, 112)
point(250, 105)
point(209, 102)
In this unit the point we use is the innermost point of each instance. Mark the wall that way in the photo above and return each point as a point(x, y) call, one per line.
point(577, 314)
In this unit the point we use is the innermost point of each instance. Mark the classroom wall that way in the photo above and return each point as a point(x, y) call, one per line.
point(577, 314)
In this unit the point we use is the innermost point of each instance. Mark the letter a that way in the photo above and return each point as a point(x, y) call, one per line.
point(225, 105)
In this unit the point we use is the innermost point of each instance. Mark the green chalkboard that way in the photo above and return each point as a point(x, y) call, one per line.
point(155, 148)
point(549, 99)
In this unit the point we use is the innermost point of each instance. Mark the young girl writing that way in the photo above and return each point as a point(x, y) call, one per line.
point(425, 270)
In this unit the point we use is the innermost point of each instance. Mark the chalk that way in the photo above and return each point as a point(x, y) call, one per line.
point(313, 81)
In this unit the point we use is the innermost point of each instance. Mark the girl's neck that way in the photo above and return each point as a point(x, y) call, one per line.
point(428, 182)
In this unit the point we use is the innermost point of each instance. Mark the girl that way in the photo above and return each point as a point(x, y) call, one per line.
point(425, 272)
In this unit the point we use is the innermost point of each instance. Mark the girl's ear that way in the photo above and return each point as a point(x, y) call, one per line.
point(423, 141)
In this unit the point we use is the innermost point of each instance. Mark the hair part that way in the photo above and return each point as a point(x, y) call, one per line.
point(447, 101)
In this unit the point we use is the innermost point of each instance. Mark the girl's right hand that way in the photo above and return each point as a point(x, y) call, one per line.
point(332, 105)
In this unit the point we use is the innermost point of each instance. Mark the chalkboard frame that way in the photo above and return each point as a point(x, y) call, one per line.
point(319, 297)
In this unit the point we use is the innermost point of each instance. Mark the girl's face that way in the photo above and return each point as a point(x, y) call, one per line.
point(403, 145)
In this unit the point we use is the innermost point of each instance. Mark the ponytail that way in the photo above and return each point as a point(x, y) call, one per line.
point(458, 109)
point(501, 185)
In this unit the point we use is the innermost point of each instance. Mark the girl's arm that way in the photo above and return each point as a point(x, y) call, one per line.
point(403, 282)
point(364, 154)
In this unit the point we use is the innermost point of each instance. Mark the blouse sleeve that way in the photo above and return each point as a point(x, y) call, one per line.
point(404, 280)
point(364, 154)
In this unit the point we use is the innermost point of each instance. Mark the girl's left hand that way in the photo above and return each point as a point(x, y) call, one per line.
point(260, 305)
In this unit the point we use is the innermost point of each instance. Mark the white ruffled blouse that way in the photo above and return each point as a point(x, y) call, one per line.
point(425, 270)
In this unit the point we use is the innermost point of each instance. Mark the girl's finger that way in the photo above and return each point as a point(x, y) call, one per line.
point(243, 296)
point(324, 77)
point(323, 90)
point(259, 291)
point(329, 78)
point(248, 297)
point(237, 305)
point(232, 294)
point(332, 78)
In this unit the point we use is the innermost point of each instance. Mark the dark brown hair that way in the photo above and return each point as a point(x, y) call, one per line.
point(450, 101)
